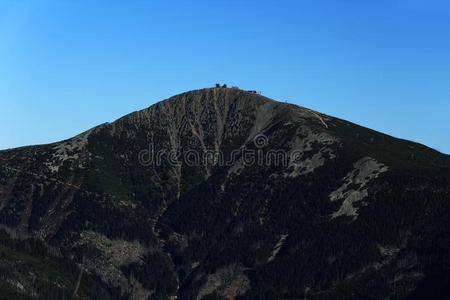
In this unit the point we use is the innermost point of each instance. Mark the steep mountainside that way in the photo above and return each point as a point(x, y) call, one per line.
point(225, 194)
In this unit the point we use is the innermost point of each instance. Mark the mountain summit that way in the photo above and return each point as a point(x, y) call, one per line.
point(222, 193)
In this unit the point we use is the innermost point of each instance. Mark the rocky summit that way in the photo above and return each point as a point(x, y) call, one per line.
point(222, 193)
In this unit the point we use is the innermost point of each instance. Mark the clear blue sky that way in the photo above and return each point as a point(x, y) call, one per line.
point(68, 65)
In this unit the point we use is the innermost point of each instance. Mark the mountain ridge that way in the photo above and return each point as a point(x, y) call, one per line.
point(175, 97)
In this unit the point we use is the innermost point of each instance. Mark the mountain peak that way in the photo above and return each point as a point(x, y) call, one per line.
point(225, 193)
point(219, 103)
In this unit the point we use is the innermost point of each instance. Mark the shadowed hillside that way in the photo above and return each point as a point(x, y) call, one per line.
point(225, 194)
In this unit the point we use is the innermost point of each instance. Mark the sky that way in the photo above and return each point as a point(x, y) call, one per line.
point(69, 65)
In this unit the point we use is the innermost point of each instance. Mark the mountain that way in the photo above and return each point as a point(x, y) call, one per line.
point(222, 193)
